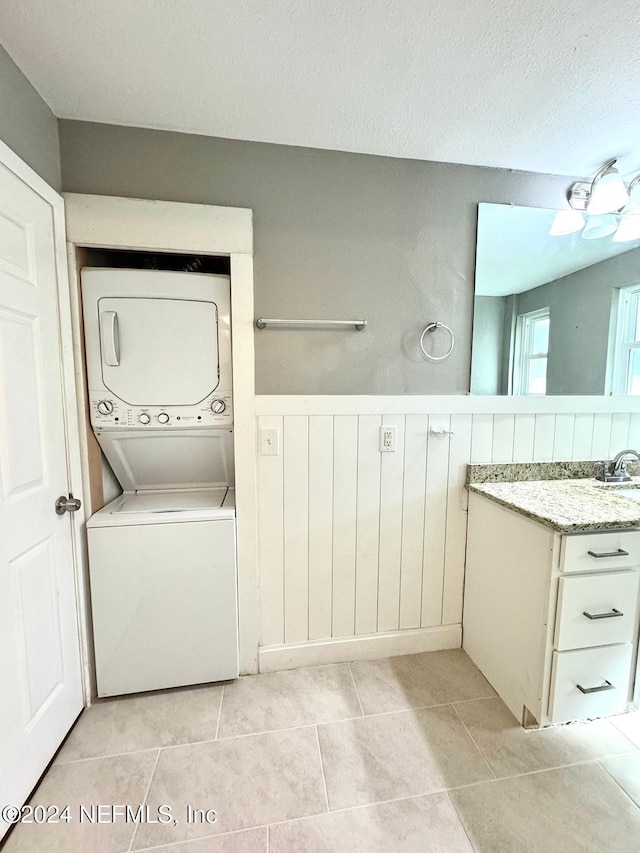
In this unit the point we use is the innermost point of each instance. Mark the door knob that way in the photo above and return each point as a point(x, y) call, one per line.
point(69, 504)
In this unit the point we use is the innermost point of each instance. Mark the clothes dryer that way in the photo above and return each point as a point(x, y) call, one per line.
point(158, 348)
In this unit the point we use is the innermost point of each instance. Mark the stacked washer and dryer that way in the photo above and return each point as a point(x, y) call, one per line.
point(162, 558)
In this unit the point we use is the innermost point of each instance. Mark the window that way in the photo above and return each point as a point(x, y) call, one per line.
point(532, 350)
point(626, 371)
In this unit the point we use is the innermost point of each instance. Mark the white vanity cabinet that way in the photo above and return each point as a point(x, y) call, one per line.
point(551, 619)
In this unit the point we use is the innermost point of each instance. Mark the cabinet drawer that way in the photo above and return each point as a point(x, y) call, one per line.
point(611, 600)
point(575, 675)
point(593, 552)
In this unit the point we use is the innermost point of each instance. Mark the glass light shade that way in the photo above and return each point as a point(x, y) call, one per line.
point(599, 226)
point(629, 229)
point(633, 205)
point(609, 194)
point(566, 222)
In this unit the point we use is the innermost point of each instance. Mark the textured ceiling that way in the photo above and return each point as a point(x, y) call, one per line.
point(516, 253)
point(541, 86)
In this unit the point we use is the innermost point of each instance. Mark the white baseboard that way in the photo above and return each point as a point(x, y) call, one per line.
point(367, 647)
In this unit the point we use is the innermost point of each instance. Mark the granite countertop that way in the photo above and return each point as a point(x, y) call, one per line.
point(568, 506)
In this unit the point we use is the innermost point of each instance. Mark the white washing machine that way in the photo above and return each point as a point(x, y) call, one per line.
point(162, 559)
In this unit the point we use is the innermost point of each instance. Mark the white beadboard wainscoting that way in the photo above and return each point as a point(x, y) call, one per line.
point(361, 553)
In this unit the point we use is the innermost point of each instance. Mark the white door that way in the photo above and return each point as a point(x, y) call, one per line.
point(40, 675)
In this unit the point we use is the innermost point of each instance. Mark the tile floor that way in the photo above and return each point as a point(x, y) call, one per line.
point(408, 754)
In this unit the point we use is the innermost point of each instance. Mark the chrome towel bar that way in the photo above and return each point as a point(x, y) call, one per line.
point(310, 324)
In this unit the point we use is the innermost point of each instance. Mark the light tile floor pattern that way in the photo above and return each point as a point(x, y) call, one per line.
point(413, 753)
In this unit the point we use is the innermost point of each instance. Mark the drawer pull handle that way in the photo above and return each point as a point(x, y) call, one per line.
point(610, 615)
point(618, 553)
point(606, 686)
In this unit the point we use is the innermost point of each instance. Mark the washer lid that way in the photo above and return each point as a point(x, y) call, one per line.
point(172, 507)
point(171, 501)
point(167, 458)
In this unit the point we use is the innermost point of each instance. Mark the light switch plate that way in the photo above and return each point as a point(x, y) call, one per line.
point(269, 441)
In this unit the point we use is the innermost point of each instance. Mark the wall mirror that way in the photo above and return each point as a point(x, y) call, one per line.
point(555, 313)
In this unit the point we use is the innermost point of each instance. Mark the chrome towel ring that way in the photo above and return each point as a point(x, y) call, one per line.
point(431, 328)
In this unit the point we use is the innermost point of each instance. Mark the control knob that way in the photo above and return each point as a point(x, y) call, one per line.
point(105, 407)
point(144, 418)
point(218, 407)
point(163, 418)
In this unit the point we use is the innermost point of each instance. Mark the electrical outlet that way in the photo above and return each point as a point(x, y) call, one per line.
point(387, 439)
point(269, 442)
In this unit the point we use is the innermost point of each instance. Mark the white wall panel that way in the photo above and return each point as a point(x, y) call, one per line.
point(345, 487)
point(435, 520)
point(582, 436)
point(502, 439)
point(601, 438)
point(296, 528)
point(320, 525)
point(271, 540)
point(619, 439)
point(358, 543)
point(415, 472)
point(543, 438)
point(368, 524)
point(391, 489)
point(523, 437)
point(482, 439)
point(456, 532)
point(563, 433)
point(634, 432)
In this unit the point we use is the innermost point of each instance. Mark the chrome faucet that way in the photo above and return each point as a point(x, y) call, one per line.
point(616, 470)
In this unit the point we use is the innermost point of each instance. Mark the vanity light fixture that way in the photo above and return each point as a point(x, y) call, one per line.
point(602, 207)
point(633, 205)
point(629, 228)
point(607, 192)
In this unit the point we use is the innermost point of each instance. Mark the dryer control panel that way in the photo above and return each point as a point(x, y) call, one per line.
point(109, 412)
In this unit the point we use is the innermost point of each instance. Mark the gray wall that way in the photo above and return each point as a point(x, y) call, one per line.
point(27, 125)
point(580, 307)
point(336, 236)
point(488, 340)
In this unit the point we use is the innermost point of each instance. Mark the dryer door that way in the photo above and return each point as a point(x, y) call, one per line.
point(159, 352)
